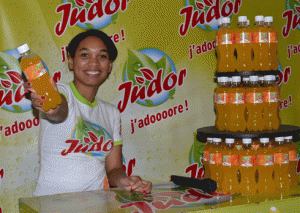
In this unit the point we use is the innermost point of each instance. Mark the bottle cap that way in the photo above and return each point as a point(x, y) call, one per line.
point(229, 140)
point(247, 140)
point(209, 139)
point(220, 21)
point(242, 18)
point(246, 78)
point(217, 140)
point(248, 22)
point(253, 78)
point(261, 78)
point(230, 79)
point(222, 79)
point(23, 48)
point(288, 137)
point(236, 78)
point(268, 77)
point(226, 20)
point(259, 18)
point(269, 19)
point(279, 139)
point(273, 209)
point(264, 140)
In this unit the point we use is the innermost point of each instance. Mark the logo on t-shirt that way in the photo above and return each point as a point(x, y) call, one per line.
point(89, 139)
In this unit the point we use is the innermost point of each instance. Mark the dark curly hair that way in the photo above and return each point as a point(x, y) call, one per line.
point(74, 43)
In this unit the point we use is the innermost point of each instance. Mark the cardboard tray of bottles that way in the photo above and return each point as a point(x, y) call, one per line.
point(213, 132)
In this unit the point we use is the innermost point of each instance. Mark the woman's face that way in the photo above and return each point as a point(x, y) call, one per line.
point(91, 64)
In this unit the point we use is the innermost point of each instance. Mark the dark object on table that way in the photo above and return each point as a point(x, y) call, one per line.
point(206, 184)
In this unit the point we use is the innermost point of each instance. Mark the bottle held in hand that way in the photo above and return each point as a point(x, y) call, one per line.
point(36, 73)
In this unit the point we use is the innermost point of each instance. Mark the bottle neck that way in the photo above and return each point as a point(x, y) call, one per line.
point(236, 83)
point(25, 53)
point(226, 25)
point(259, 24)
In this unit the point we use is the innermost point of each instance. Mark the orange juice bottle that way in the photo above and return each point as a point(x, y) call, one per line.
point(260, 45)
point(271, 101)
point(281, 165)
point(236, 106)
point(36, 73)
point(206, 150)
point(248, 185)
point(221, 103)
point(254, 105)
point(273, 43)
point(243, 46)
point(226, 48)
point(230, 167)
point(215, 162)
point(265, 167)
point(293, 160)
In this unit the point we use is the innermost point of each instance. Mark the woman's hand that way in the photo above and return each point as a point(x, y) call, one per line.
point(135, 183)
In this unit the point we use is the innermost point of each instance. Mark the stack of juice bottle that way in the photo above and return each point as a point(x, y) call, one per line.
point(249, 166)
point(246, 49)
point(248, 106)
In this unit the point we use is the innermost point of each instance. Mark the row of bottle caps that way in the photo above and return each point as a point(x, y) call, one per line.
point(260, 18)
point(248, 140)
point(260, 79)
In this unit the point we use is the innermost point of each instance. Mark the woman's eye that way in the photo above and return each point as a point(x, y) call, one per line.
point(103, 56)
point(83, 55)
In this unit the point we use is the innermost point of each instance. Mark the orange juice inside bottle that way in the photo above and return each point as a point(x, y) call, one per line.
point(206, 150)
point(221, 97)
point(281, 165)
point(226, 48)
point(260, 45)
point(271, 101)
point(293, 160)
point(243, 46)
point(265, 167)
point(36, 73)
point(273, 43)
point(254, 105)
point(248, 185)
point(215, 162)
point(230, 166)
point(236, 106)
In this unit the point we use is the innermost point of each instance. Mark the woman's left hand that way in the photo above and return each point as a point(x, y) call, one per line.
point(136, 183)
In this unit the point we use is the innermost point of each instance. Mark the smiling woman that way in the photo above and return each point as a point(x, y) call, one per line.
point(80, 140)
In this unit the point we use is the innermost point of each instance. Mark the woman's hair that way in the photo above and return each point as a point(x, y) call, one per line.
point(74, 43)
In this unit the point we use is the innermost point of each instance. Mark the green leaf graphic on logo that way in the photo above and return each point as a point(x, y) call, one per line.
point(114, 18)
point(137, 60)
point(171, 93)
point(149, 102)
point(292, 4)
point(165, 65)
point(89, 25)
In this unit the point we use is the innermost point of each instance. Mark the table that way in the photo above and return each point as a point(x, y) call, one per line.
point(163, 198)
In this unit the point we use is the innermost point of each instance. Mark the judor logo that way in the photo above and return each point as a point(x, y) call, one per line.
point(205, 13)
point(292, 17)
point(89, 14)
point(150, 78)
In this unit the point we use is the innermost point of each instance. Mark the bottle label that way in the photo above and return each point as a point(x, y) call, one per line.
point(35, 71)
point(281, 158)
point(221, 98)
point(273, 37)
point(237, 98)
point(238, 147)
point(205, 155)
point(227, 38)
point(270, 97)
point(215, 158)
point(254, 98)
point(292, 155)
point(255, 146)
point(243, 37)
point(230, 160)
point(265, 160)
point(260, 37)
point(245, 160)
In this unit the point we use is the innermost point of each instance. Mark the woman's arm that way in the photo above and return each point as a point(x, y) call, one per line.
point(117, 176)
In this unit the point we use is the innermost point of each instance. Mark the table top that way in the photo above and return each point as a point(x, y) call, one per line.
point(163, 198)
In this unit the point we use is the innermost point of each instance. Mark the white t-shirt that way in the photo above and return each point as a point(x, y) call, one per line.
point(72, 153)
